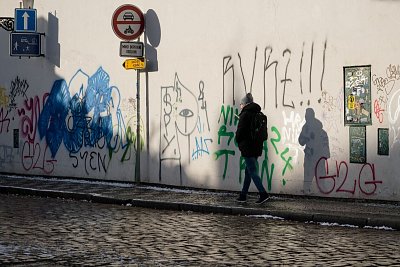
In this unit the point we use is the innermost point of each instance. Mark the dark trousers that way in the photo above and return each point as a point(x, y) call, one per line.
point(251, 174)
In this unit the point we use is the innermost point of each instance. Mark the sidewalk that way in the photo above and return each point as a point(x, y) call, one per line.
point(303, 209)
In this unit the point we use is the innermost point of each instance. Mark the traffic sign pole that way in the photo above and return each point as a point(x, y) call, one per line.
point(137, 173)
point(128, 24)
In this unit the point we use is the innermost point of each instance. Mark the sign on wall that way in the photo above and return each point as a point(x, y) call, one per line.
point(24, 40)
point(358, 144)
point(25, 20)
point(131, 49)
point(25, 44)
point(357, 95)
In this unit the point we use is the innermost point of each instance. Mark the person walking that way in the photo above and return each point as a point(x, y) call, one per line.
point(250, 149)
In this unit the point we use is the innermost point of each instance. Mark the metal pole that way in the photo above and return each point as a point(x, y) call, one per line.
point(137, 168)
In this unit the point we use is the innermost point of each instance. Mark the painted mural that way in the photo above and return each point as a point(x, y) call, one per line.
point(82, 117)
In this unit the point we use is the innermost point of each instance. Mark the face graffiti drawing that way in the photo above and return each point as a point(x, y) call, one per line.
point(186, 108)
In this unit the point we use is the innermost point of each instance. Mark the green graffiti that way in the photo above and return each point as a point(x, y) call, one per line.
point(223, 133)
point(287, 161)
point(229, 114)
point(127, 148)
point(275, 140)
point(225, 152)
point(265, 167)
point(229, 117)
point(129, 138)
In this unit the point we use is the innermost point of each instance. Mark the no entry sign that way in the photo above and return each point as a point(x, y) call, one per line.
point(128, 22)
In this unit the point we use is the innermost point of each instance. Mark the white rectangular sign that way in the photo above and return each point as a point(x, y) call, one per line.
point(131, 49)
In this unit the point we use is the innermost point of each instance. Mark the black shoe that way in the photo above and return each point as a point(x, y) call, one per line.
point(263, 197)
point(241, 199)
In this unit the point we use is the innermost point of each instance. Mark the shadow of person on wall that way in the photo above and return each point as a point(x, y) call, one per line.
point(316, 142)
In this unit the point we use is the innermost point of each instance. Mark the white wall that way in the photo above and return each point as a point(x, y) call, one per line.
point(205, 56)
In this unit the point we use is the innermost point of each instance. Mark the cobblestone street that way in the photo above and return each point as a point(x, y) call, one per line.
point(56, 232)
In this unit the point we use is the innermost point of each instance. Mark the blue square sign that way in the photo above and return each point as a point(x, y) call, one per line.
point(25, 20)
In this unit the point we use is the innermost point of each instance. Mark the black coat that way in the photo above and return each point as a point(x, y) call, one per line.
point(248, 147)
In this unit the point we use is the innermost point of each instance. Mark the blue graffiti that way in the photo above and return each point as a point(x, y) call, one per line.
point(201, 147)
point(85, 117)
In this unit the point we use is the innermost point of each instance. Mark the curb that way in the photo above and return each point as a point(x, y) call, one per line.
point(44, 193)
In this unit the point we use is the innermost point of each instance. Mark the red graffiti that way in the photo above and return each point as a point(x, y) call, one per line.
point(324, 178)
point(343, 186)
point(378, 111)
point(29, 117)
point(368, 182)
point(326, 182)
point(33, 157)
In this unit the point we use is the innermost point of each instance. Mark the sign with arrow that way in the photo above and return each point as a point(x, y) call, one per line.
point(135, 63)
point(25, 20)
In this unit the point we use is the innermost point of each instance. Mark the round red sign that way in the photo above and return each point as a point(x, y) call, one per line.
point(128, 22)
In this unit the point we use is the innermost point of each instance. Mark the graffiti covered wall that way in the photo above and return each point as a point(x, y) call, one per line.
point(326, 75)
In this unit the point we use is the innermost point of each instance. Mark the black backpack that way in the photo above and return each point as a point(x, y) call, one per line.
point(259, 127)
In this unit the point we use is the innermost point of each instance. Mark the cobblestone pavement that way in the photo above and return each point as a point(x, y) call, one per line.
point(56, 232)
point(317, 209)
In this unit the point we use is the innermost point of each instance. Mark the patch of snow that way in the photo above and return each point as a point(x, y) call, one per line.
point(380, 228)
point(266, 217)
point(333, 224)
point(354, 226)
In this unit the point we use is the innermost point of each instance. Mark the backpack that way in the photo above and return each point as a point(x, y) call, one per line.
point(259, 127)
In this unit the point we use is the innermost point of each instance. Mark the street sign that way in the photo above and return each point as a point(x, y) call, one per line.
point(128, 22)
point(131, 49)
point(25, 20)
point(25, 44)
point(135, 63)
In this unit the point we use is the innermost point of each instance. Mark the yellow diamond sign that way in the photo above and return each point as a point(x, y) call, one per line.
point(135, 63)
